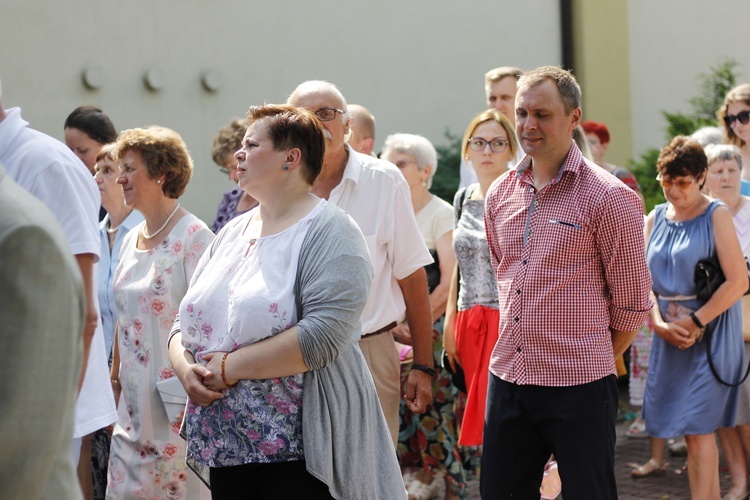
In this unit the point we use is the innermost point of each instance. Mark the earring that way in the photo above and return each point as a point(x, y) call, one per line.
point(286, 167)
point(424, 183)
point(158, 181)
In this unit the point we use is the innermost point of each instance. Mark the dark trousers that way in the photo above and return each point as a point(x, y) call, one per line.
point(524, 424)
point(274, 481)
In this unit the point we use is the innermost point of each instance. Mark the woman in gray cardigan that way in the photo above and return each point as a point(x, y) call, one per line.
point(281, 404)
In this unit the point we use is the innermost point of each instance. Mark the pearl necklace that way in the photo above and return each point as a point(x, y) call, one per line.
point(113, 230)
point(143, 227)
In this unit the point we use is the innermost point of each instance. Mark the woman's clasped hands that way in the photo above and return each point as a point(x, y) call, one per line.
point(203, 383)
point(682, 333)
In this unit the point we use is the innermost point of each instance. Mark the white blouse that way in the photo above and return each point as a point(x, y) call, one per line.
point(244, 292)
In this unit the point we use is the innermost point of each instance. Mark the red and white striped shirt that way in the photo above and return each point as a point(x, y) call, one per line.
point(570, 266)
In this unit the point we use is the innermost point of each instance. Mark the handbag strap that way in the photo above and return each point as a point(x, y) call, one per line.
point(708, 337)
point(459, 211)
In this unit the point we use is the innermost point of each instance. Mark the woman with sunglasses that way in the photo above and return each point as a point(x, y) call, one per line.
point(734, 117)
point(471, 317)
point(683, 397)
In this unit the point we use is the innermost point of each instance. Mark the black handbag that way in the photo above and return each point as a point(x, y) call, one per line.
point(457, 378)
point(708, 277)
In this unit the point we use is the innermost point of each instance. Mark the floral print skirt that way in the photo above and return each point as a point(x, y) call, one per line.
point(430, 440)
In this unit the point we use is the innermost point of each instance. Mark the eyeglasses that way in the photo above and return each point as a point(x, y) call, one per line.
point(328, 114)
point(743, 117)
point(668, 183)
point(497, 145)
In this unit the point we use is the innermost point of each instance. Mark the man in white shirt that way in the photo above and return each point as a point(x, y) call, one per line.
point(377, 197)
point(47, 169)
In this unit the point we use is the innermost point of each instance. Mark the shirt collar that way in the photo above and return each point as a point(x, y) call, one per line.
point(133, 219)
point(572, 164)
point(353, 168)
point(10, 127)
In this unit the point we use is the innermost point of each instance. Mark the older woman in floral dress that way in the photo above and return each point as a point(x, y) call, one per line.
point(157, 260)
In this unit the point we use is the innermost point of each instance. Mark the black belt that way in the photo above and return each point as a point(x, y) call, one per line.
point(386, 328)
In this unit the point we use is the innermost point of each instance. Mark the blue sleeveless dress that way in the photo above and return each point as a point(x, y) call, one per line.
point(682, 395)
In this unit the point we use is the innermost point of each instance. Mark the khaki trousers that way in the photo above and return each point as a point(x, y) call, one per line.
point(382, 358)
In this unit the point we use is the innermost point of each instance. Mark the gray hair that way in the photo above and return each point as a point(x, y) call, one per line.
point(721, 152)
point(566, 84)
point(414, 145)
point(708, 135)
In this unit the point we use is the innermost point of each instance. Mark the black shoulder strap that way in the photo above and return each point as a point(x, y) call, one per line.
point(708, 337)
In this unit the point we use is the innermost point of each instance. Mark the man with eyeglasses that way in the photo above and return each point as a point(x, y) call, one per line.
point(566, 244)
point(377, 197)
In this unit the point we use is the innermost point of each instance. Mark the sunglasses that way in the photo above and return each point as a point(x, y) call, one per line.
point(681, 184)
point(743, 117)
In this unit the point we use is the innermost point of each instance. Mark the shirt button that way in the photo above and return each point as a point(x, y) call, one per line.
point(515, 319)
point(518, 291)
point(518, 349)
point(536, 203)
point(523, 262)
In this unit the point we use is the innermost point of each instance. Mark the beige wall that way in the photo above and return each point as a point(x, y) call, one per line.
point(602, 69)
point(417, 65)
point(672, 42)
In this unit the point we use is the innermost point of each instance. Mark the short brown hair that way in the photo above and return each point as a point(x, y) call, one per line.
point(291, 127)
point(486, 116)
point(682, 156)
point(228, 140)
point(566, 84)
point(740, 93)
point(163, 152)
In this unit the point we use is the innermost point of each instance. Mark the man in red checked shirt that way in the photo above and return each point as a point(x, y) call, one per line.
point(566, 241)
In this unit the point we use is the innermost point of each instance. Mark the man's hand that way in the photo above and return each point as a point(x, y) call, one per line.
point(418, 391)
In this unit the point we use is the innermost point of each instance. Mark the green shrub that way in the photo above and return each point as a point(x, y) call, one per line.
point(447, 177)
point(713, 85)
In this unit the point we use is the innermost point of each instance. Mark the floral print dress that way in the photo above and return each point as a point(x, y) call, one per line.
point(147, 458)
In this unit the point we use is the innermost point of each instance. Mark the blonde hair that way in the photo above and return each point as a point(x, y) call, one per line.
point(485, 116)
